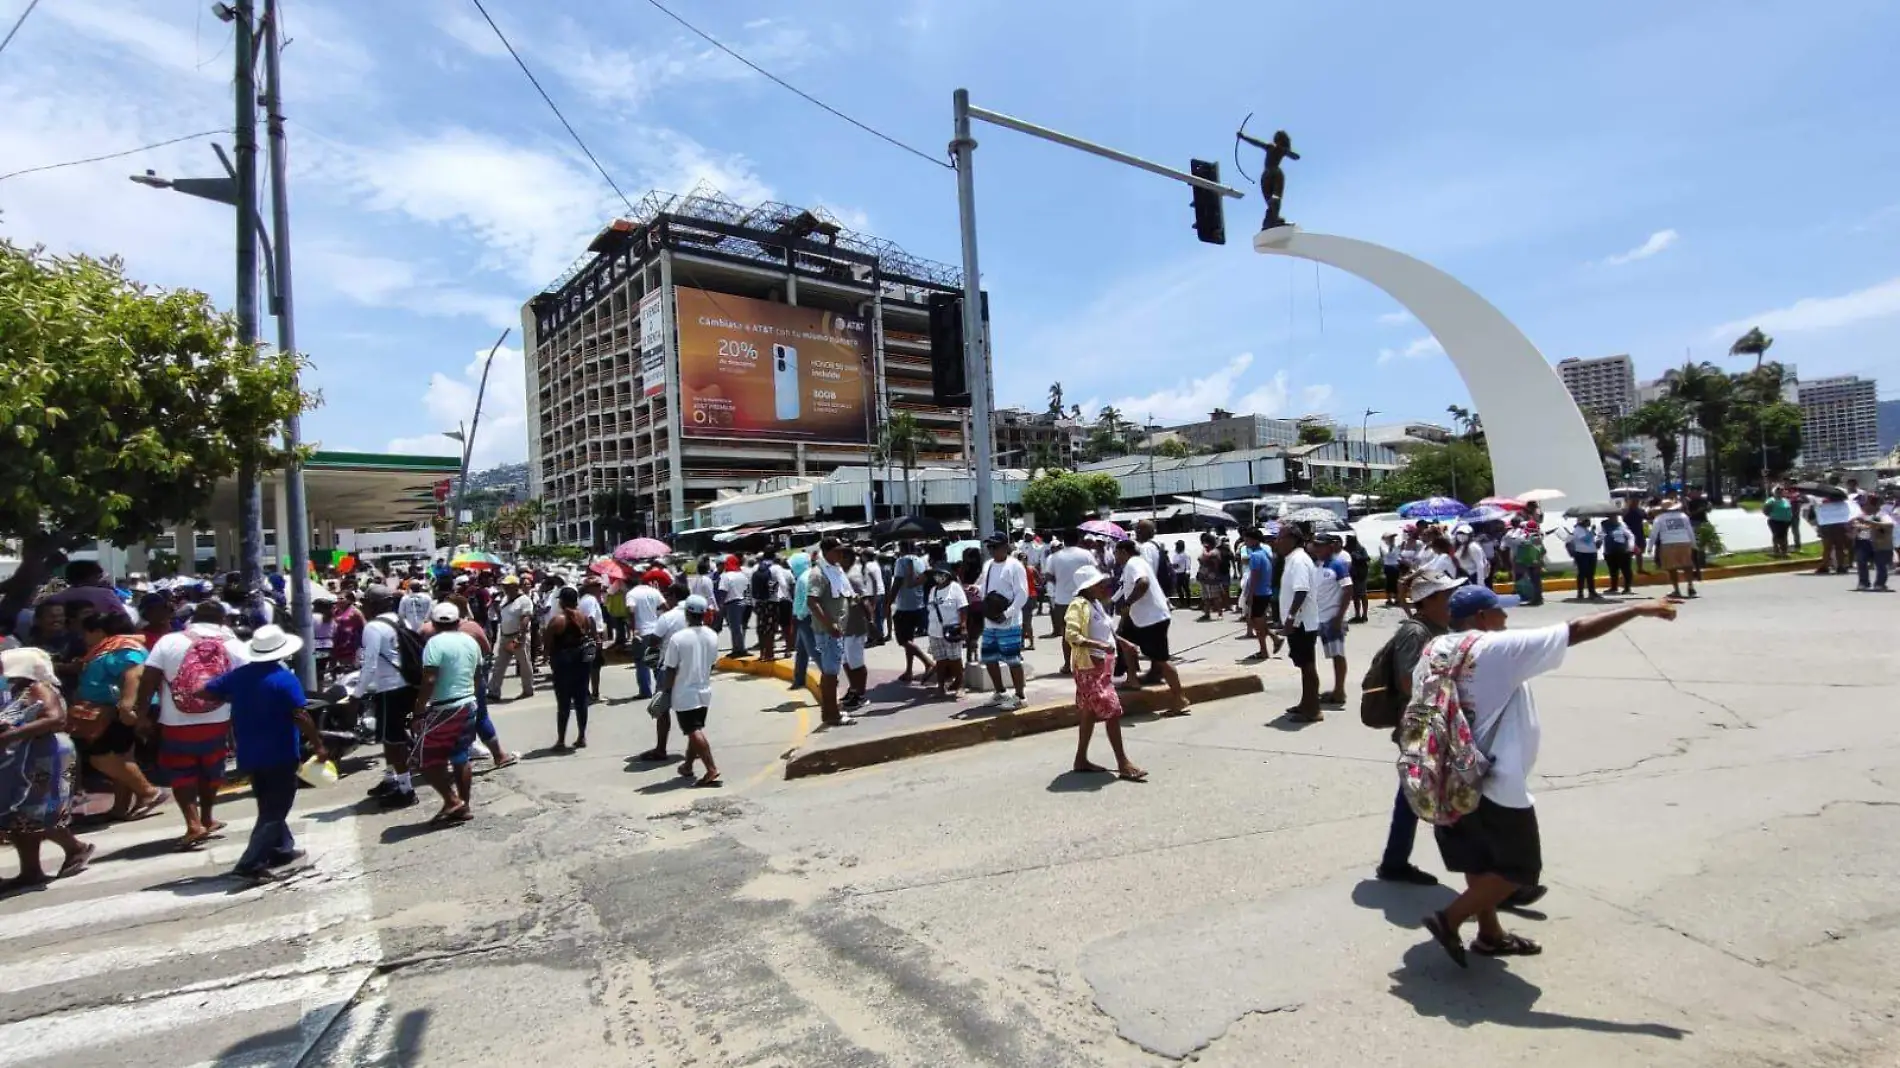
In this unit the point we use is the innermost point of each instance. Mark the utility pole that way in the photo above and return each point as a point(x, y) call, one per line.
point(1365, 444)
point(975, 345)
point(298, 536)
point(250, 492)
point(468, 438)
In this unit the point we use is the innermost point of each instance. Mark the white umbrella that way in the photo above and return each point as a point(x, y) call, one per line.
point(1532, 496)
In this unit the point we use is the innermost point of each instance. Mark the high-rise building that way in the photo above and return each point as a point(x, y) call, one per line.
point(1606, 384)
point(1035, 439)
point(1840, 424)
point(703, 347)
point(1225, 430)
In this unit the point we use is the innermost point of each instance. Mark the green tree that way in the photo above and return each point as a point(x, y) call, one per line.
point(1709, 395)
point(1173, 449)
point(1062, 499)
point(123, 406)
point(1663, 421)
point(1044, 456)
point(903, 438)
point(1055, 398)
point(1470, 424)
point(1315, 433)
point(1754, 343)
point(1103, 490)
point(1459, 469)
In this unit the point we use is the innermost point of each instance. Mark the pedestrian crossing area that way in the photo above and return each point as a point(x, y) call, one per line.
point(160, 958)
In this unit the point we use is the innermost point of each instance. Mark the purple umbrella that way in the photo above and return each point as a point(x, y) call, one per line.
point(641, 549)
point(1432, 508)
point(1105, 528)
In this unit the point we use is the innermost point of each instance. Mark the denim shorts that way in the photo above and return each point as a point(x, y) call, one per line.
point(1002, 645)
point(830, 653)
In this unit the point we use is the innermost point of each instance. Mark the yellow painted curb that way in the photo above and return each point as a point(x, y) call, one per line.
point(768, 669)
point(1712, 573)
point(961, 734)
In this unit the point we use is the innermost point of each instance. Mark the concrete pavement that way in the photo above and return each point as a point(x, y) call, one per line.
point(1718, 798)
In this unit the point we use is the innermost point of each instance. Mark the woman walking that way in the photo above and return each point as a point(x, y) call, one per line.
point(38, 770)
point(102, 722)
point(1360, 569)
point(1089, 631)
point(568, 636)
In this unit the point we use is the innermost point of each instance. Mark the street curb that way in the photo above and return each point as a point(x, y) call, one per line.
point(961, 734)
point(768, 669)
point(1711, 573)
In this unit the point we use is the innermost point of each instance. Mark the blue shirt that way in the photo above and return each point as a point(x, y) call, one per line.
point(800, 589)
point(99, 682)
point(1260, 571)
point(264, 697)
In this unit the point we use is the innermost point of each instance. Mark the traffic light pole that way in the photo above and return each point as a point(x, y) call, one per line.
point(976, 366)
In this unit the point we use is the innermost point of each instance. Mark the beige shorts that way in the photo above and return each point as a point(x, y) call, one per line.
point(1676, 557)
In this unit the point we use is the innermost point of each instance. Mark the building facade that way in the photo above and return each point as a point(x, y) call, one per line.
point(1840, 425)
point(704, 346)
point(1606, 385)
point(1223, 429)
point(1035, 439)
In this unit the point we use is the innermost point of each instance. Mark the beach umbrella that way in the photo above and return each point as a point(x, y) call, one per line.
point(1432, 508)
point(611, 569)
point(1822, 489)
point(1103, 527)
point(1509, 504)
point(907, 526)
point(476, 561)
point(1315, 520)
point(1629, 491)
point(1484, 513)
point(1593, 511)
point(641, 549)
point(1535, 496)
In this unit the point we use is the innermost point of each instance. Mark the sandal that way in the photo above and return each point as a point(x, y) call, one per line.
point(711, 780)
point(78, 862)
point(1447, 936)
point(1511, 945)
point(142, 809)
point(654, 756)
point(1132, 774)
point(684, 771)
point(507, 762)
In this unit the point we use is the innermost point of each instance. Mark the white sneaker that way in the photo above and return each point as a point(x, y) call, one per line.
point(999, 697)
point(1011, 703)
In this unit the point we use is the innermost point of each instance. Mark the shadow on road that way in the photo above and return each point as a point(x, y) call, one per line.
point(1080, 782)
point(1402, 903)
point(1492, 993)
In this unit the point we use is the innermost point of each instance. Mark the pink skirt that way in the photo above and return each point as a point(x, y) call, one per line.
point(1095, 692)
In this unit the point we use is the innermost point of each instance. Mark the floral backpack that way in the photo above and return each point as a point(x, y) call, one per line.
point(1441, 766)
point(205, 659)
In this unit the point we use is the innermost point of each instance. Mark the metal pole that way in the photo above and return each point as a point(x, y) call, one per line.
point(250, 491)
point(1060, 138)
point(298, 534)
point(975, 366)
point(468, 438)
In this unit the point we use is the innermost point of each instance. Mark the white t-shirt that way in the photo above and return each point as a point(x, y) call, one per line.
point(1183, 566)
point(1498, 703)
point(1329, 591)
point(1296, 578)
point(1151, 553)
point(671, 622)
point(733, 586)
point(702, 586)
point(590, 607)
point(693, 652)
point(1152, 608)
point(1827, 513)
point(874, 577)
point(1063, 564)
point(413, 609)
point(169, 655)
point(1391, 556)
point(516, 613)
point(1672, 528)
point(946, 607)
point(1008, 578)
point(644, 605)
point(1471, 560)
point(1583, 540)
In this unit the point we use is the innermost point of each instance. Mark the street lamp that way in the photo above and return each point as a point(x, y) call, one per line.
point(1365, 444)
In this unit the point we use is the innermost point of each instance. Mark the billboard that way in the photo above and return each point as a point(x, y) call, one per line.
point(754, 369)
point(653, 344)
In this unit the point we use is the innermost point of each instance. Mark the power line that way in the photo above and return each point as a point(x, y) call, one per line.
point(536, 82)
point(17, 23)
point(716, 43)
point(112, 155)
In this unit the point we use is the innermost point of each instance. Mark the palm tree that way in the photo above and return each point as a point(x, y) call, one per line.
point(529, 514)
point(1055, 398)
point(1471, 422)
point(1043, 456)
point(904, 437)
point(1710, 397)
point(1663, 421)
point(1754, 343)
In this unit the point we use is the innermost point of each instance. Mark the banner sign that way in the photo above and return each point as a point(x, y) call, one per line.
point(754, 369)
point(653, 344)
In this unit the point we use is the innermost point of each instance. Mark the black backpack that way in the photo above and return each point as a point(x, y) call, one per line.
point(762, 583)
point(1164, 568)
point(408, 652)
point(1380, 705)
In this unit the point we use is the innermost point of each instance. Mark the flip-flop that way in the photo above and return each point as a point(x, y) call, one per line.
point(508, 763)
point(1446, 937)
point(1511, 945)
point(654, 756)
point(1132, 775)
point(78, 863)
point(684, 771)
point(1091, 769)
point(709, 782)
point(143, 809)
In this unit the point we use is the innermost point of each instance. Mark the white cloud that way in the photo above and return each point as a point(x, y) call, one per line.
point(502, 436)
point(165, 43)
point(1314, 398)
point(1877, 301)
point(1418, 349)
point(1397, 318)
point(850, 218)
point(383, 282)
point(1189, 400)
point(676, 163)
point(1657, 242)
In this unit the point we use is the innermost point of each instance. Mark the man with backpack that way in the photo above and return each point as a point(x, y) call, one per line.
point(1469, 740)
point(764, 589)
point(193, 729)
point(392, 669)
point(1383, 695)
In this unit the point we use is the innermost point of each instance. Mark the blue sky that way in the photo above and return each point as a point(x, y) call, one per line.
point(1626, 177)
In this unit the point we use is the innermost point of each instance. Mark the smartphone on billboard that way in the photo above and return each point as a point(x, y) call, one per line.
point(785, 382)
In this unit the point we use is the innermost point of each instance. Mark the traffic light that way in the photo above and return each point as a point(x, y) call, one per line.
point(1210, 218)
point(949, 385)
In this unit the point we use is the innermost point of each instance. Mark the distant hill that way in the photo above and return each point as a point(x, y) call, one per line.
point(504, 477)
point(1889, 425)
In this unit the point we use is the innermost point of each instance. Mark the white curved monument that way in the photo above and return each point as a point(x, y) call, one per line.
point(1537, 436)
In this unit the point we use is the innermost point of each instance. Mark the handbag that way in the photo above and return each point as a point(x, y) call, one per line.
point(662, 704)
point(86, 721)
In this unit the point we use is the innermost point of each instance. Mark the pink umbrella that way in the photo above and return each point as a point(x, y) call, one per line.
point(1104, 528)
point(641, 549)
point(1509, 504)
point(609, 568)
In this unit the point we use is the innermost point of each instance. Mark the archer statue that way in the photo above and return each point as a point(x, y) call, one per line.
point(1272, 178)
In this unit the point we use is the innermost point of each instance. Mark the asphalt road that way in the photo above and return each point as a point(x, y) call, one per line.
point(1718, 796)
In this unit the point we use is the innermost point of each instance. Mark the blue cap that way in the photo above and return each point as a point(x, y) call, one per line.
point(696, 605)
point(1468, 601)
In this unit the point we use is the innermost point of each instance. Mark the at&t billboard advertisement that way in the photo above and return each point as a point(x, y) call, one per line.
point(755, 369)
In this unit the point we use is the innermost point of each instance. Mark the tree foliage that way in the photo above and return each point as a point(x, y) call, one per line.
point(1460, 469)
point(122, 404)
point(1173, 449)
point(1315, 433)
point(1062, 499)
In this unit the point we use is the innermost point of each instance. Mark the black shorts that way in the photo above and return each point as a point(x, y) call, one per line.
point(1494, 840)
point(1261, 607)
point(783, 609)
point(1300, 646)
point(909, 624)
point(690, 719)
point(393, 709)
point(1152, 639)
